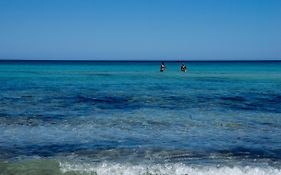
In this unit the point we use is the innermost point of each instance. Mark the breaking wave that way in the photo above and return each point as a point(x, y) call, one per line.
point(164, 169)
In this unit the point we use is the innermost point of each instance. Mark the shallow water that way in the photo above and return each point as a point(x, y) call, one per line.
point(129, 118)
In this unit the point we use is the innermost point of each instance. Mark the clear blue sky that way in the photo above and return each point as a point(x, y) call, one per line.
point(140, 29)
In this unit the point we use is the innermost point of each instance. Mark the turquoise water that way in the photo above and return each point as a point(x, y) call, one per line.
point(129, 118)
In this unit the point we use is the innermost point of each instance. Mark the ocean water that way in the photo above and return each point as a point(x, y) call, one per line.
point(113, 118)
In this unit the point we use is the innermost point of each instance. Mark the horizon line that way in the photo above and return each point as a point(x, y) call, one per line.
point(144, 60)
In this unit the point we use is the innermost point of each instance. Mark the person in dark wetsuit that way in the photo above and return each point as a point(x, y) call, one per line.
point(162, 67)
point(183, 68)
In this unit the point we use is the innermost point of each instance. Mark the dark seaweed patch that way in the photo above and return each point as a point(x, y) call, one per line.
point(234, 98)
point(254, 102)
point(31, 120)
point(106, 99)
point(109, 102)
point(214, 79)
point(54, 149)
point(251, 153)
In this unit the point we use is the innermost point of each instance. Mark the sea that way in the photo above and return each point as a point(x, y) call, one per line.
point(128, 118)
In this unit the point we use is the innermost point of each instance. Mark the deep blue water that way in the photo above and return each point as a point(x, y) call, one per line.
point(90, 115)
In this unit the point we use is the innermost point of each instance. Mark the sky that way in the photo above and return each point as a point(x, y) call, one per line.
point(140, 29)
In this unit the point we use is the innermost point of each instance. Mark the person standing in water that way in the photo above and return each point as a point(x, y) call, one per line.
point(183, 68)
point(162, 67)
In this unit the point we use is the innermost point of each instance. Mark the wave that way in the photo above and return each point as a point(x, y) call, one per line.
point(164, 169)
point(55, 167)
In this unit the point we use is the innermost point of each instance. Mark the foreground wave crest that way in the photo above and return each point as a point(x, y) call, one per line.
point(163, 169)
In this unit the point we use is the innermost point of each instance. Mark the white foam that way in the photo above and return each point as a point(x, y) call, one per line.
point(165, 169)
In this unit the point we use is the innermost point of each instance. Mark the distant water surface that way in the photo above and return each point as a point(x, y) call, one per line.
point(129, 118)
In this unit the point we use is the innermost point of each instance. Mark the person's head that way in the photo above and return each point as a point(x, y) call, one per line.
point(162, 62)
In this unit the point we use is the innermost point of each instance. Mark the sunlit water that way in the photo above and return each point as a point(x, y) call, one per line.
point(129, 118)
